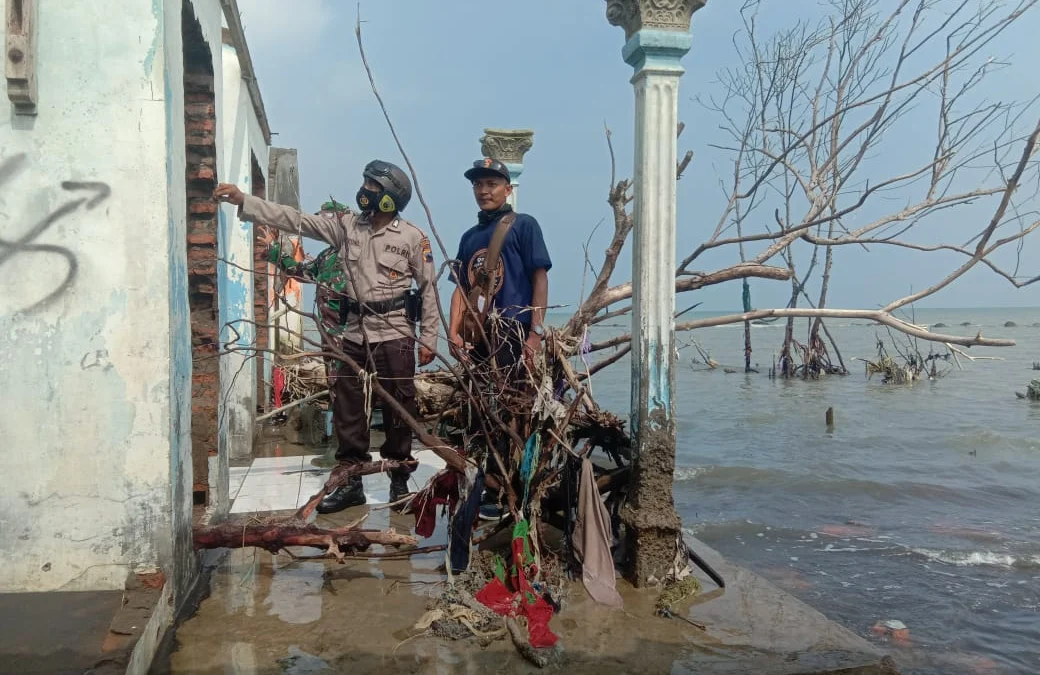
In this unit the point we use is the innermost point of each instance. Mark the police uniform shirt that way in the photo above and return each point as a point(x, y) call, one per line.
point(380, 265)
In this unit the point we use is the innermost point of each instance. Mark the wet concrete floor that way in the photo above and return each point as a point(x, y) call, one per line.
point(55, 632)
point(269, 614)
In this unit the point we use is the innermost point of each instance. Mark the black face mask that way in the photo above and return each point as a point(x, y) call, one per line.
point(367, 200)
point(485, 217)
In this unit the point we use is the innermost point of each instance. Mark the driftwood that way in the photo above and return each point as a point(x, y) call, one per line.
point(435, 392)
point(278, 536)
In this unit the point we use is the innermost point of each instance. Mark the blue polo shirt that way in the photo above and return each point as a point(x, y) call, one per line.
point(523, 252)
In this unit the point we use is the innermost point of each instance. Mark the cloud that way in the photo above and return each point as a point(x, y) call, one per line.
point(281, 25)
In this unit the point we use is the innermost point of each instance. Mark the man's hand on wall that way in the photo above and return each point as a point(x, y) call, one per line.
point(230, 194)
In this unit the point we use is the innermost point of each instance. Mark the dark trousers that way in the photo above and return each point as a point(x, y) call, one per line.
point(505, 343)
point(506, 370)
point(393, 363)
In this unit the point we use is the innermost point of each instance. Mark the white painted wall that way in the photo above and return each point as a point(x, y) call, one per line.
point(95, 476)
point(85, 471)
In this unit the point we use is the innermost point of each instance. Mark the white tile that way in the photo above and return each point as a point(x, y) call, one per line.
point(263, 504)
point(310, 486)
point(304, 497)
point(428, 458)
point(273, 478)
point(377, 486)
point(289, 470)
point(283, 492)
point(289, 462)
point(238, 471)
point(234, 484)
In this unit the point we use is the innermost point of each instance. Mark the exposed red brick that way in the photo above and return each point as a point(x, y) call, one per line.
point(200, 178)
point(204, 124)
point(202, 207)
point(152, 579)
point(260, 286)
point(200, 138)
point(199, 83)
point(200, 108)
point(115, 642)
point(202, 173)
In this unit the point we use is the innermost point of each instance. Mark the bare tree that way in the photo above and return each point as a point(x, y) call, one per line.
point(818, 118)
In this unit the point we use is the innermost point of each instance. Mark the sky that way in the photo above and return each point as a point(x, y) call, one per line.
point(446, 70)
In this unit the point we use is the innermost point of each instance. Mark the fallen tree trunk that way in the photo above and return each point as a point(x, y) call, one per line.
point(275, 537)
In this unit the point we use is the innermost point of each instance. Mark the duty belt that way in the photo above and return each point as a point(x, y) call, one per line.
point(348, 306)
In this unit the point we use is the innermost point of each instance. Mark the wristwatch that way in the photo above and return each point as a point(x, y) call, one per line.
point(538, 330)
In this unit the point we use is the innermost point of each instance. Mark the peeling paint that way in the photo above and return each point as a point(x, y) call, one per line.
point(149, 58)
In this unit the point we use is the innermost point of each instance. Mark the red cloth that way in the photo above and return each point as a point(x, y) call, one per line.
point(279, 387)
point(443, 489)
point(525, 601)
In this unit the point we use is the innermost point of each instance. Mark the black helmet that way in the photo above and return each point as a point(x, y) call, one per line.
point(397, 188)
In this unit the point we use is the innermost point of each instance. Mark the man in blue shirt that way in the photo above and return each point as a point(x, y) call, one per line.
point(521, 286)
point(519, 293)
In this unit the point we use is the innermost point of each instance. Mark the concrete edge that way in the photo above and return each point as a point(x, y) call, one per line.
point(147, 645)
point(837, 649)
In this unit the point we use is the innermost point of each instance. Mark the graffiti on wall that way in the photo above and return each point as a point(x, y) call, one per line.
point(85, 194)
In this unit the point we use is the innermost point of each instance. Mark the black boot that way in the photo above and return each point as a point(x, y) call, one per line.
point(398, 486)
point(352, 494)
point(489, 508)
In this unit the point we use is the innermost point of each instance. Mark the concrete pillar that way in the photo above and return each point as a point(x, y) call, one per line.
point(509, 147)
point(658, 35)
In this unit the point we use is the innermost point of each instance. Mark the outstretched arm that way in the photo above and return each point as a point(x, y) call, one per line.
point(281, 217)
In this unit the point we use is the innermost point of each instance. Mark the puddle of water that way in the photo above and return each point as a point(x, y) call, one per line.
point(295, 593)
point(241, 659)
point(300, 662)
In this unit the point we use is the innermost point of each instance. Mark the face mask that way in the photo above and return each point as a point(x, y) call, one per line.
point(367, 199)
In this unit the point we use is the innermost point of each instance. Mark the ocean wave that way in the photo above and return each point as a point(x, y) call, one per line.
point(689, 472)
point(978, 558)
point(778, 480)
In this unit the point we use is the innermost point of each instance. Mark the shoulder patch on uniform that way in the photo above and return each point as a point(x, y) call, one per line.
point(427, 249)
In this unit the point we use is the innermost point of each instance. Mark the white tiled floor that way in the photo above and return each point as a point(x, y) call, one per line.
point(286, 483)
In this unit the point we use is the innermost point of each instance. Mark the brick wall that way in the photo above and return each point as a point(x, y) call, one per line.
point(201, 178)
point(261, 301)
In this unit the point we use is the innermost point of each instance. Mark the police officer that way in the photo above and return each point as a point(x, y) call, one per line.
point(382, 255)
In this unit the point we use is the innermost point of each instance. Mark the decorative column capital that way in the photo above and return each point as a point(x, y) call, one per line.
point(509, 147)
point(666, 15)
point(506, 145)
